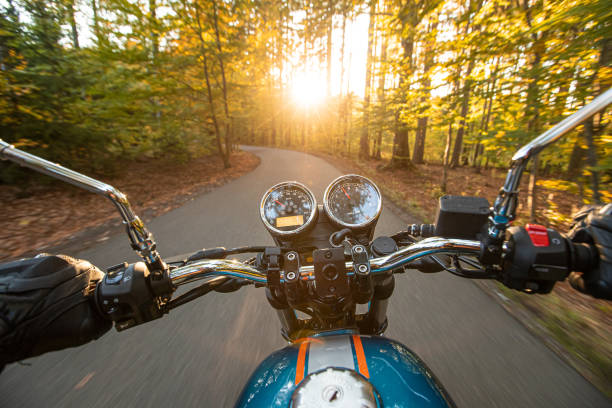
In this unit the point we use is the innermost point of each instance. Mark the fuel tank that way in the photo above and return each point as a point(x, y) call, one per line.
point(398, 377)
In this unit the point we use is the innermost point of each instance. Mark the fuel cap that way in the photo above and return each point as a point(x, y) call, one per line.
point(334, 388)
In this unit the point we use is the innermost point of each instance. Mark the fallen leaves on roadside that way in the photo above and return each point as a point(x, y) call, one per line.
point(40, 216)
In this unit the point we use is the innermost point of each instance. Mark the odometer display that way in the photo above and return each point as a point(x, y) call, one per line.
point(288, 208)
point(353, 201)
point(291, 221)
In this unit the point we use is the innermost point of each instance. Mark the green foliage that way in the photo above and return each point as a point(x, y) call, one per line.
point(171, 78)
point(91, 108)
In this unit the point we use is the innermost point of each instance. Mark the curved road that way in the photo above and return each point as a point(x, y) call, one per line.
point(203, 353)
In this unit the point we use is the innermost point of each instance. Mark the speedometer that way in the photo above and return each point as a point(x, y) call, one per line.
point(353, 201)
point(288, 208)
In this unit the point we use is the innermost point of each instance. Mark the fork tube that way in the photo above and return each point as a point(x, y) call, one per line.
point(289, 321)
point(378, 308)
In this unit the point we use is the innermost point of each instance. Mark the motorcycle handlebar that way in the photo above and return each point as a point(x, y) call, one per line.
point(222, 267)
point(526, 266)
point(581, 258)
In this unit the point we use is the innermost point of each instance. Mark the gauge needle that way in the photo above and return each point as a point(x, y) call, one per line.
point(279, 203)
point(345, 193)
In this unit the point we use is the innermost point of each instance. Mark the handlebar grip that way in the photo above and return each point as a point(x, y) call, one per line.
point(583, 257)
point(538, 257)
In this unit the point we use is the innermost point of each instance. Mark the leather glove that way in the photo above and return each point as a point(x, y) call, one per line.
point(46, 304)
point(593, 225)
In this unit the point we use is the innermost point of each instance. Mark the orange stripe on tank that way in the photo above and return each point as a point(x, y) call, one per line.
point(299, 369)
point(361, 360)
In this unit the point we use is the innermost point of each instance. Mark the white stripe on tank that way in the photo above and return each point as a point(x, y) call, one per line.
point(330, 352)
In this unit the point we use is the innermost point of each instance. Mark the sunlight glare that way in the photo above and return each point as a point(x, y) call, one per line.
point(308, 90)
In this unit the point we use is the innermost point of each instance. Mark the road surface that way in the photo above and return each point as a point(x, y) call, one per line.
point(202, 353)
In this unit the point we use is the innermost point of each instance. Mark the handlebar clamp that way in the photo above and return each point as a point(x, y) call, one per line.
point(292, 285)
point(363, 277)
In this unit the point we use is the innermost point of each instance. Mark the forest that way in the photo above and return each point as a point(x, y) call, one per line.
point(93, 83)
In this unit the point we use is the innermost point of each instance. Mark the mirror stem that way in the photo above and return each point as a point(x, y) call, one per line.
point(504, 209)
point(141, 239)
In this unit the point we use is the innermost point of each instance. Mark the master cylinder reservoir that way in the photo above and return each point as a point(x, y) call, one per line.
point(461, 217)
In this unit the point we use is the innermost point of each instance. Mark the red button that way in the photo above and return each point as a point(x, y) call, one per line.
point(538, 234)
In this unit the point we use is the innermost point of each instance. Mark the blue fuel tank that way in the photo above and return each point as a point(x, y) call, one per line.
point(399, 377)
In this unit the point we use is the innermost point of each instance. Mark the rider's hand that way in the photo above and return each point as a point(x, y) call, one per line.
point(593, 225)
point(46, 304)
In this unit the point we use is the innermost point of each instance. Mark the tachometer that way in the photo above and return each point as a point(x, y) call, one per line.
point(288, 208)
point(352, 201)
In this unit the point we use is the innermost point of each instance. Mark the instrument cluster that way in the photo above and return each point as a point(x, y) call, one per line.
point(351, 201)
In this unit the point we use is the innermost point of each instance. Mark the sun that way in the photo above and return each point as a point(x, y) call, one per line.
point(308, 89)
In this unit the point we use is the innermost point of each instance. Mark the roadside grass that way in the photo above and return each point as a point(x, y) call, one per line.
point(584, 332)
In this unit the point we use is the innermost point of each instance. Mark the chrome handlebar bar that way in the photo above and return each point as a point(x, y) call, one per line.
point(232, 268)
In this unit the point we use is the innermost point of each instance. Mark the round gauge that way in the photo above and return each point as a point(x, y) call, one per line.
point(288, 208)
point(353, 201)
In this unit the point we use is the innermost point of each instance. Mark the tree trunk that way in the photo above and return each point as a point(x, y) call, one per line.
point(328, 57)
point(421, 132)
point(465, 105)
point(228, 118)
point(224, 157)
point(474, 6)
point(364, 142)
point(96, 23)
point(377, 153)
point(449, 137)
point(153, 28)
point(280, 60)
point(381, 93)
point(532, 109)
point(349, 123)
point(343, 49)
point(401, 149)
point(576, 160)
point(419, 140)
point(342, 105)
point(592, 160)
point(476, 151)
point(222, 153)
point(486, 115)
point(400, 157)
point(73, 25)
point(485, 127)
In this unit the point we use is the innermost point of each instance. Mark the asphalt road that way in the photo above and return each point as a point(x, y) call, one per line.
point(203, 353)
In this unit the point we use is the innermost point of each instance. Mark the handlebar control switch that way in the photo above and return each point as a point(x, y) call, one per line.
point(126, 297)
point(538, 257)
point(364, 289)
point(538, 234)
